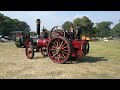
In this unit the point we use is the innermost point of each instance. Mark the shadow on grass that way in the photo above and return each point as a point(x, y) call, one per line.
point(85, 59)
point(88, 59)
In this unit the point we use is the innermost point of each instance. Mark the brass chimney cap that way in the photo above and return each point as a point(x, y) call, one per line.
point(38, 21)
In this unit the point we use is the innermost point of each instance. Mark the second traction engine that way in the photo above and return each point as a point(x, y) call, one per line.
point(39, 43)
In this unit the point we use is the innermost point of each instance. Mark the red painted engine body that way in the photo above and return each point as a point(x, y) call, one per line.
point(78, 48)
point(43, 42)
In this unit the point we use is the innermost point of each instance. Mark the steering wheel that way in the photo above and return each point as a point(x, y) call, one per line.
point(57, 31)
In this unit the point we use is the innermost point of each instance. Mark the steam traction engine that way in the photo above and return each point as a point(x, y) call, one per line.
point(39, 43)
point(21, 38)
point(60, 45)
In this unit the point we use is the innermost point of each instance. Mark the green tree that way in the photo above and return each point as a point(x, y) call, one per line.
point(67, 25)
point(1, 23)
point(94, 32)
point(116, 30)
point(85, 23)
point(103, 28)
point(87, 26)
point(8, 25)
point(23, 26)
point(77, 21)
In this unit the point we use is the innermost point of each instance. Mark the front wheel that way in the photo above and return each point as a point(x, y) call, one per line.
point(44, 51)
point(29, 51)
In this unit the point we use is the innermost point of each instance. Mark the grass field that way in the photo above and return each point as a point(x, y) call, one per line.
point(102, 62)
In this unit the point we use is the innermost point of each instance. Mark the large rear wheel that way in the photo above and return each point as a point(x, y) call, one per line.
point(59, 50)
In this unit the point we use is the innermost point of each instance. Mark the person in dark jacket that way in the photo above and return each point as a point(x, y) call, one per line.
point(45, 33)
point(78, 32)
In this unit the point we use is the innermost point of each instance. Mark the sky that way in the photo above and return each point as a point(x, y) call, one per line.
point(49, 19)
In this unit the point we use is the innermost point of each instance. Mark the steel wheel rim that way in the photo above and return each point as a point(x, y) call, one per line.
point(59, 52)
point(57, 34)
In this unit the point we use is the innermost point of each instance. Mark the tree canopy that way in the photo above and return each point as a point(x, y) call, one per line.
point(67, 25)
point(102, 29)
point(85, 23)
point(116, 30)
point(8, 25)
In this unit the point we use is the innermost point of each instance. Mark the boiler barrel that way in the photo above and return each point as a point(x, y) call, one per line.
point(42, 42)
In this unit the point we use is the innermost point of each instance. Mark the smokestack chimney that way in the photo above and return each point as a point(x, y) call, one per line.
point(38, 26)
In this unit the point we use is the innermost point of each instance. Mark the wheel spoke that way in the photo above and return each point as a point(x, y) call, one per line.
point(63, 55)
point(53, 47)
point(58, 42)
point(64, 52)
point(55, 54)
point(64, 47)
point(54, 43)
point(61, 44)
point(58, 57)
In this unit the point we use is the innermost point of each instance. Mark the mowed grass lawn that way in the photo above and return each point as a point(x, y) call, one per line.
point(102, 62)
